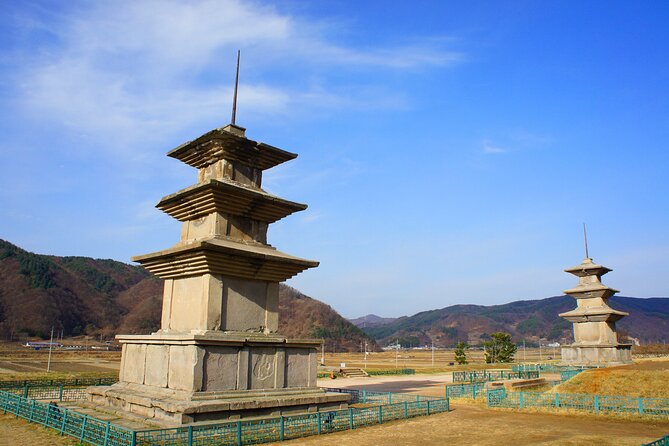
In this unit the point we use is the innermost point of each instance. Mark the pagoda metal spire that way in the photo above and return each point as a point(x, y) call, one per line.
point(585, 239)
point(234, 98)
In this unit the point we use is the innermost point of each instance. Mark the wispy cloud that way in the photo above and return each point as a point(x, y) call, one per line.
point(489, 148)
point(132, 70)
point(515, 141)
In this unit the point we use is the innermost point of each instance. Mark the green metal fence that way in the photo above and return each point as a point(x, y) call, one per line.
point(545, 368)
point(377, 408)
point(297, 426)
point(569, 374)
point(579, 401)
point(471, 390)
point(664, 441)
point(67, 422)
point(392, 372)
point(492, 375)
point(55, 392)
point(78, 382)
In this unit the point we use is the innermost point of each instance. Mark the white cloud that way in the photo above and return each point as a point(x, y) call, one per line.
point(128, 71)
point(489, 148)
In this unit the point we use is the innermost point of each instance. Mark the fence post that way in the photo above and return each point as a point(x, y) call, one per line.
point(46, 419)
point(350, 418)
point(25, 391)
point(364, 396)
point(390, 398)
point(32, 410)
point(428, 407)
point(318, 418)
point(133, 441)
point(406, 409)
point(83, 429)
point(282, 428)
point(640, 406)
point(520, 400)
point(239, 433)
point(60, 393)
point(62, 425)
point(557, 400)
point(107, 435)
point(596, 403)
point(446, 393)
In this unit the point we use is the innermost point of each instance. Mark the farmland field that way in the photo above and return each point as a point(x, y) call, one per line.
point(468, 422)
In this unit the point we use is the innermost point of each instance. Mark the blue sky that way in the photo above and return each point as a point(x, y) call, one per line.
point(449, 152)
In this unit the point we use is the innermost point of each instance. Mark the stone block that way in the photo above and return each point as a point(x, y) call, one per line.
point(272, 314)
point(262, 368)
point(297, 367)
point(134, 363)
point(187, 304)
point(220, 369)
point(243, 369)
point(244, 305)
point(183, 368)
point(157, 365)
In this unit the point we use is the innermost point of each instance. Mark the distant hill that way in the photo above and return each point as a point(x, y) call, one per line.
point(371, 320)
point(80, 295)
point(531, 320)
point(301, 316)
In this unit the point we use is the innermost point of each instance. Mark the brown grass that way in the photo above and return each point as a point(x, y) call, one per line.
point(18, 432)
point(646, 379)
point(471, 424)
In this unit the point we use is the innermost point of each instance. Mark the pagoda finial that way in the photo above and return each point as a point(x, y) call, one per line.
point(234, 99)
point(585, 240)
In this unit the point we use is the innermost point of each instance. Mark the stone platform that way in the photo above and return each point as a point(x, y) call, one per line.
point(597, 355)
point(180, 378)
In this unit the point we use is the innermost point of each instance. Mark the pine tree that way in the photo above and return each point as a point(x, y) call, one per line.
point(461, 352)
point(499, 348)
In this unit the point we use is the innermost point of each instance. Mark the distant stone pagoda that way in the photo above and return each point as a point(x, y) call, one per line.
point(595, 338)
point(217, 354)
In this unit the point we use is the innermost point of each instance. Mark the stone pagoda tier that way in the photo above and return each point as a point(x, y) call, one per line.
point(217, 354)
point(595, 338)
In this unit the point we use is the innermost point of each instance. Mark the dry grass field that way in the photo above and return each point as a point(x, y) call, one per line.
point(18, 432)
point(475, 425)
point(647, 378)
point(467, 423)
point(423, 361)
point(17, 362)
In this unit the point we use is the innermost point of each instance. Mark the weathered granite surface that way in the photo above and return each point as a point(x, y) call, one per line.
point(217, 354)
point(595, 337)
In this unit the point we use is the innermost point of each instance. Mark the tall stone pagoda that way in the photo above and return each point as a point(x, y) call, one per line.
point(217, 354)
point(595, 338)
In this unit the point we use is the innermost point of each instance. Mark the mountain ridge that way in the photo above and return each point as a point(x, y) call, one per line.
point(81, 295)
point(532, 320)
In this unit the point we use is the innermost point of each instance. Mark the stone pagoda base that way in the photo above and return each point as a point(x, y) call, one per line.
point(597, 355)
point(179, 378)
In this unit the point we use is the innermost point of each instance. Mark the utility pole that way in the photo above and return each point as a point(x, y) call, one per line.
point(48, 364)
point(365, 354)
point(524, 352)
point(540, 360)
